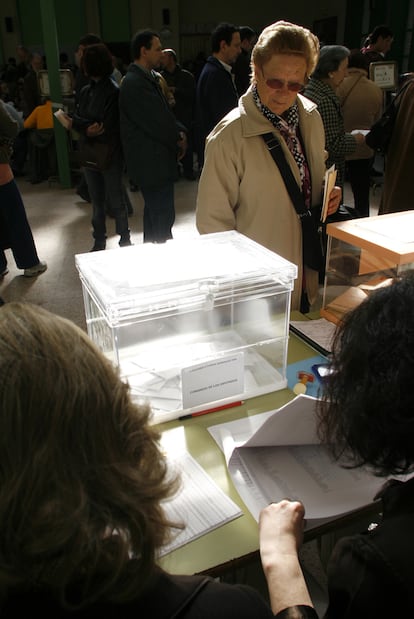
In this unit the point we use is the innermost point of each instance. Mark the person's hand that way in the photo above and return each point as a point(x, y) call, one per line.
point(182, 145)
point(95, 129)
point(334, 200)
point(281, 529)
point(359, 138)
point(281, 534)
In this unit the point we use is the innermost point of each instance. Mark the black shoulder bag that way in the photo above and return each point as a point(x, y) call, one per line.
point(312, 243)
point(380, 134)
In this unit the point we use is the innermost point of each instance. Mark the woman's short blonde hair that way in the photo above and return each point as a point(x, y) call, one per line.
point(82, 476)
point(282, 37)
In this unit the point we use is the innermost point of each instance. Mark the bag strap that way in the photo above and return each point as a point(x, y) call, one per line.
point(351, 89)
point(276, 151)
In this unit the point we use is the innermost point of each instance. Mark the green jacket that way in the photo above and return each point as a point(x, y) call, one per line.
point(149, 130)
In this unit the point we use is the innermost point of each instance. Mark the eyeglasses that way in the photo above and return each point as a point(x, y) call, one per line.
point(277, 84)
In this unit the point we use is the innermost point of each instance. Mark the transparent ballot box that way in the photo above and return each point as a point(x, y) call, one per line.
point(363, 255)
point(192, 323)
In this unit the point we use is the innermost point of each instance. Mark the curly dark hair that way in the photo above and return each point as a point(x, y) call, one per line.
point(82, 477)
point(366, 413)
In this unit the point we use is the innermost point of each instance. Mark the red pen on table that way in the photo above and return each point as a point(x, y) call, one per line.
point(215, 409)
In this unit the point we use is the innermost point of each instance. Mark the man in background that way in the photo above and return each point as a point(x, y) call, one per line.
point(241, 69)
point(181, 84)
point(216, 90)
point(151, 139)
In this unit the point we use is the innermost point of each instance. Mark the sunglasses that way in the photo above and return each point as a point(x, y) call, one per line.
point(277, 84)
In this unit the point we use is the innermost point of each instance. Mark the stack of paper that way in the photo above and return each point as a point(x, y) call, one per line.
point(283, 458)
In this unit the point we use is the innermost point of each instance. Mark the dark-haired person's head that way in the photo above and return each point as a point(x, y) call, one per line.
point(382, 31)
point(248, 38)
point(89, 39)
point(366, 413)
point(381, 39)
point(357, 60)
point(142, 39)
point(225, 42)
point(82, 476)
point(97, 61)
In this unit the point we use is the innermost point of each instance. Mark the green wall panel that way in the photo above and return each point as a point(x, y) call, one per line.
point(30, 22)
point(70, 21)
point(115, 20)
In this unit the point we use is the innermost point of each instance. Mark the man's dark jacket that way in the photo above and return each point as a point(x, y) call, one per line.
point(216, 96)
point(149, 131)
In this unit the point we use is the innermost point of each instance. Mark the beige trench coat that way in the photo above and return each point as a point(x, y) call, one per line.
point(241, 188)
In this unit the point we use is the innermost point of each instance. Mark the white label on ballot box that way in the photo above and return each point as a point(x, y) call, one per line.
point(213, 380)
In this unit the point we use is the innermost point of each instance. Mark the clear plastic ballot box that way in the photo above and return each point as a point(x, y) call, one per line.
point(362, 256)
point(194, 323)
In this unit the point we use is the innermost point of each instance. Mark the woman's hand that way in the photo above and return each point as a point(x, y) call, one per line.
point(281, 528)
point(281, 533)
point(334, 200)
point(95, 129)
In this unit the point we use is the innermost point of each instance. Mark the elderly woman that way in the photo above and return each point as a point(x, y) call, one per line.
point(241, 187)
point(331, 69)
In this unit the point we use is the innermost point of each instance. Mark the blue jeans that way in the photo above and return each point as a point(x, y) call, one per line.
point(106, 185)
point(159, 213)
point(15, 231)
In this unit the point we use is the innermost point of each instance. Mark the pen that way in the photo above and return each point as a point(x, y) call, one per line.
point(212, 410)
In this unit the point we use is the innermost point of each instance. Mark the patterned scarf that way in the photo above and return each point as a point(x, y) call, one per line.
point(288, 125)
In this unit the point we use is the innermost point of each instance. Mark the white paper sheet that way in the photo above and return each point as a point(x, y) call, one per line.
point(283, 458)
point(200, 503)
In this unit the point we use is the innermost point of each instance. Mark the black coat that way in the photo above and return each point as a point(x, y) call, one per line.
point(186, 597)
point(372, 574)
point(216, 96)
point(149, 130)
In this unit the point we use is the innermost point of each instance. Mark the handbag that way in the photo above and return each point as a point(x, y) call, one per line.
point(312, 242)
point(380, 134)
point(95, 155)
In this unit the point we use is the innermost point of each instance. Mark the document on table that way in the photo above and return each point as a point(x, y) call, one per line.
point(200, 504)
point(317, 333)
point(281, 457)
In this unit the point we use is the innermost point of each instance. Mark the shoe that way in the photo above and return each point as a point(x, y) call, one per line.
point(38, 268)
point(98, 246)
point(125, 242)
point(4, 272)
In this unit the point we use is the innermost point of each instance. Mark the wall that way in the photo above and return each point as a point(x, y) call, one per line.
point(121, 18)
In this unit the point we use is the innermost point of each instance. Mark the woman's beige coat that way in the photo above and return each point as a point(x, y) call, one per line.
point(241, 188)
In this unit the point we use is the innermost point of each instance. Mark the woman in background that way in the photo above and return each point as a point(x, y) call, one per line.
point(97, 120)
point(329, 73)
point(361, 102)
